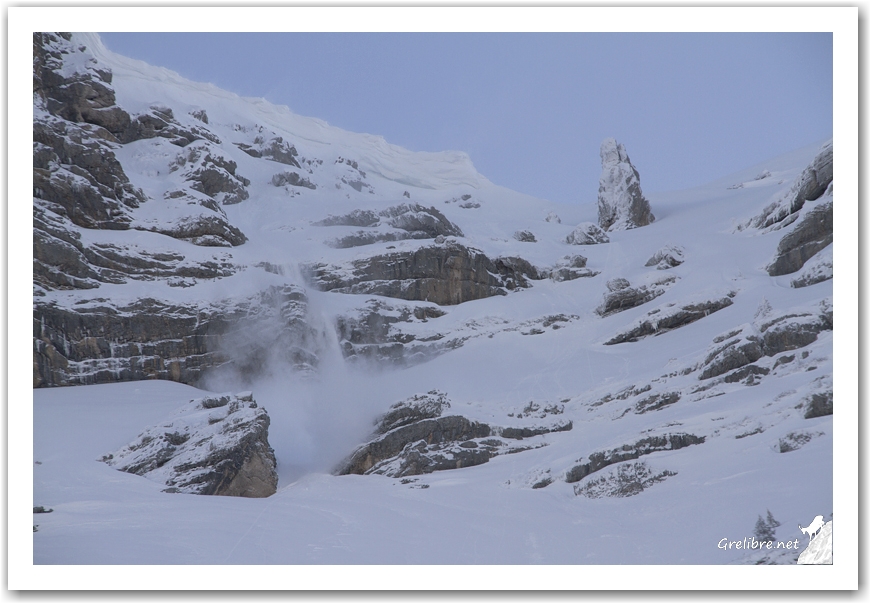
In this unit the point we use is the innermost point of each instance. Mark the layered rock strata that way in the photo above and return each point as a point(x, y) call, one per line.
point(217, 445)
point(445, 274)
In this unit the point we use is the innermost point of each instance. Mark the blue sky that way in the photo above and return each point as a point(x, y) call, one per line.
point(531, 109)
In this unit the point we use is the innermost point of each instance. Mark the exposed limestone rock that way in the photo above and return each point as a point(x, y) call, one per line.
point(820, 405)
point(445, 274)
point(621, 204)
point(201, 115)
point(374, 332)
point(814, 231)
point(629, 479)
point(416, 408)
point(525, 236)
point(669, 256)
point(103, 342)
point(809, 186)
point(160, 121)
point(421, 458)
point(599, 460)
point(622, 296)
point(76, 171)
point(818, 269)
point(407, 221)
point(358, 217)
point(656, 402)
point(215, 445)
point(796, 439)
point(553, 217)
point(569, 274)
point(196, 218)
point(210, 172)
point(570, 268)
point(413, 438)
point(72, 85)
point(617, 284)
point(62, 261)
point(292, 179)
point(274, 149)
point(750, 342)
point(672, 316)
point(415, 218)
point(587, 233)
point(519, 433)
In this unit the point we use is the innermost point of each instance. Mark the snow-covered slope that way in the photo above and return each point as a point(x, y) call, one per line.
point(631, 401)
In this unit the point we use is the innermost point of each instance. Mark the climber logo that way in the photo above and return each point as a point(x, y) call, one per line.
point(820, 550)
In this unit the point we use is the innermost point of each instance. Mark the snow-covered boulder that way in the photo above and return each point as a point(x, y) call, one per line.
point(525, 236)
point(571, 267)
point(214, 445)
point(669, 256)
point(587, 233)
point(621, 204)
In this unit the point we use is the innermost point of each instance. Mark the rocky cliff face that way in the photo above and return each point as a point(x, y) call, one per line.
point(621, 204)
point(106, 341)
point(448, 273)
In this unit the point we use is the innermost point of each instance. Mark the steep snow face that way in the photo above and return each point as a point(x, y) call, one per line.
point(621, 204)
point(593, 408)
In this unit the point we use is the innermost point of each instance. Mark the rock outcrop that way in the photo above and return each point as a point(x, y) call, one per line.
point(813, 231)
point(398, 223)
point(104, 342)
point(817, 269)
point(628, 479)
point(375, 332)
point(273, 148)
point(809, 186)
point(214, 445)
point(587, 233)
point(769, 337)
point(414, 437)
point(599, 460)
point(211, 172)
point(571, 267)
point(622, 296)
point(621, 204)
point(669, 256)
point(444, 274)
point(672, 316)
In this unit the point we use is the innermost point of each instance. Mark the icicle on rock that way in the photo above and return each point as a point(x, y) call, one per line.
point(621, 204)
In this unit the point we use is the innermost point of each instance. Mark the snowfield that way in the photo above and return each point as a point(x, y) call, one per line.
point(535, 356)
